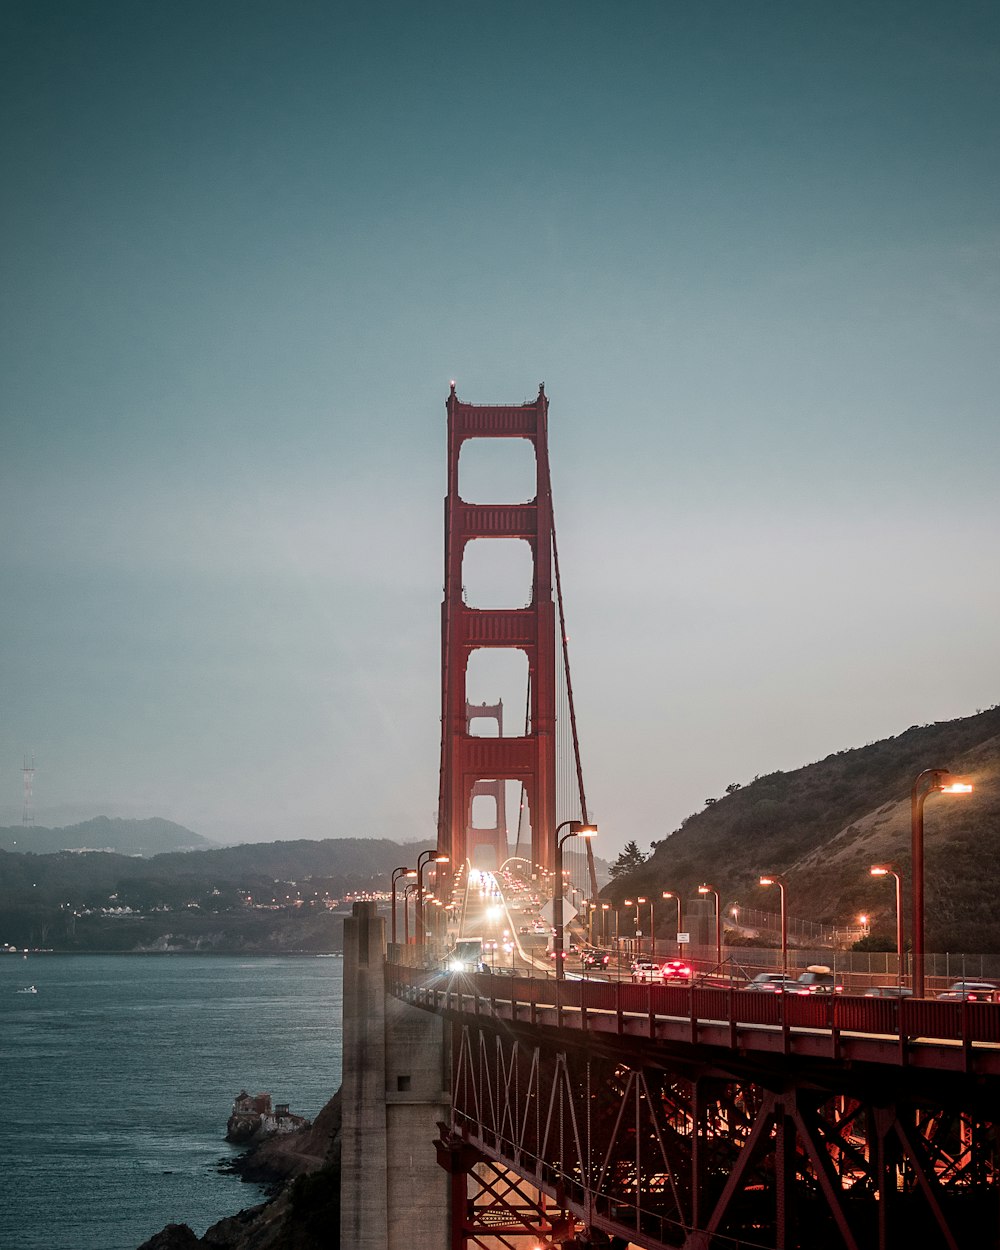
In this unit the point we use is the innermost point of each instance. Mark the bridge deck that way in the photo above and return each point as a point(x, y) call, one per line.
point(924, 1034)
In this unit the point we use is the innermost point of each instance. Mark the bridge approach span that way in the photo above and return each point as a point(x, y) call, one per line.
point(713, 1119)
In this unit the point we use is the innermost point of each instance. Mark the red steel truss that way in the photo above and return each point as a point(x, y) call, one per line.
point(468, 761)
point(797, 1137)
point(493, 1208)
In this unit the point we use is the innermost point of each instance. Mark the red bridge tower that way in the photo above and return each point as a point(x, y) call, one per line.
point(471, 766)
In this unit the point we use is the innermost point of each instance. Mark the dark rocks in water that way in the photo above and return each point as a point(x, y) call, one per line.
point(305, 1213)
point(254, 1118)
point(173, 1237)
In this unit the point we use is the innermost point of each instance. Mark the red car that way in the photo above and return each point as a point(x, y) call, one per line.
point(676, 970)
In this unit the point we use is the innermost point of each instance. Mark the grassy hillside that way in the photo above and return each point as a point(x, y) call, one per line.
point(824, 825)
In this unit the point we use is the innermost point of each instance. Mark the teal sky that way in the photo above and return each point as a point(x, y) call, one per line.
point(753, 250)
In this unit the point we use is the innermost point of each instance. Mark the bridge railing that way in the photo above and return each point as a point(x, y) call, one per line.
point(576, 1004)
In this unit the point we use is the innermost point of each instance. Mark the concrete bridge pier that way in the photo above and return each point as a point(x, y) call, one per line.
point(395, 1089)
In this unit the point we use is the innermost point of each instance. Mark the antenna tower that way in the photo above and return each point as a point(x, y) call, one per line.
point(28, 811)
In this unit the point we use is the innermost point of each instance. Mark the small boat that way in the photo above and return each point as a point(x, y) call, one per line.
point(28, 989)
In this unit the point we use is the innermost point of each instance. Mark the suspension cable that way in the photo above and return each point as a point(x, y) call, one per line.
point(572, 707)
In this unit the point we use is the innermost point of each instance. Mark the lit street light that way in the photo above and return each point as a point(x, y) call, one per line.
point(396, 874)
point(577, 829)
point(710, 889)
point(652, 930)
point(927, 782)
point(890, 870)
point(422, 862)
point(773, 879)
point(630, 902)
point(407, 891)
point(677, 899)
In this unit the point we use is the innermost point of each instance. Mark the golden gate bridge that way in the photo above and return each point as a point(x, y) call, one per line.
point(595, 1112)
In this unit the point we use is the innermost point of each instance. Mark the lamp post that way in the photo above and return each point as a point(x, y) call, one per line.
point(629, 902)
point(407, 891)
point(605, 908)
point(677, 900)
point(890, 870)
point(710, 889)
point(772, 878)
point(396, 874)
point(423, 859)
point(652, 931)
point(577, 829)
point(927, 782)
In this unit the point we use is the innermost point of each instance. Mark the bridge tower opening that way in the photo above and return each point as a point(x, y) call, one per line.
point(474, 766)
point(486, 843)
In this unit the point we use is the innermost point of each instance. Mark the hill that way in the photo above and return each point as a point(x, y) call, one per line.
point(255, 897)
point(822, 827)
point(127, 837)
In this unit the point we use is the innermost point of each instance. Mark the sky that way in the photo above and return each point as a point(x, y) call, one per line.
point(752, 250)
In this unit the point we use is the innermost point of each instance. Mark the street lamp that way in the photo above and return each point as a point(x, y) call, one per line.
point(652, 930)
point(605, 908)
point(629, 902)
point(577, 829)
point(677, 900)
point(396, 874)
point(407, 891)
point(422, 863)
point(927, 782)
point(890, 870)
point(772, 878)
point(710, 889)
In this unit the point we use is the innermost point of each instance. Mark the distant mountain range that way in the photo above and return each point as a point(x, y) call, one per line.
point(126, 837)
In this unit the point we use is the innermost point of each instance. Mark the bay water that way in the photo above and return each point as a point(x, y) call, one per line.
point(117, 1078)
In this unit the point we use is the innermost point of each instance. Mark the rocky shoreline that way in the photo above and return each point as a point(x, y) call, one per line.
point(304, 1212)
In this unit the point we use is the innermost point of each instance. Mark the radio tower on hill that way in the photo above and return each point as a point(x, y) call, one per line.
point(28, 811)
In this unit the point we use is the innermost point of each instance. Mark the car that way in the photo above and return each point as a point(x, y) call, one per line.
point(646, 970)
point(887, 991)
point(595, 959)
point(818, 979)
point(676, 970)
point(971, 992)
point(775, 985)
point(763, 978)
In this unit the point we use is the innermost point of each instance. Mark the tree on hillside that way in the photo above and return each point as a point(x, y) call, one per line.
point(628, 861)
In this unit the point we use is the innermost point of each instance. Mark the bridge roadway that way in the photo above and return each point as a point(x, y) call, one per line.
point(856, 1122)
point(521, 986)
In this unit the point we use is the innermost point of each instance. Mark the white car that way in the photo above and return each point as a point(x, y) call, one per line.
point(646, 970)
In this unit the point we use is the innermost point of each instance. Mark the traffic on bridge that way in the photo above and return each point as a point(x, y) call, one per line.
point(698, 1112)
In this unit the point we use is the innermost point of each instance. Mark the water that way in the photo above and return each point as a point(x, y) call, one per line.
point(118, 1077)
